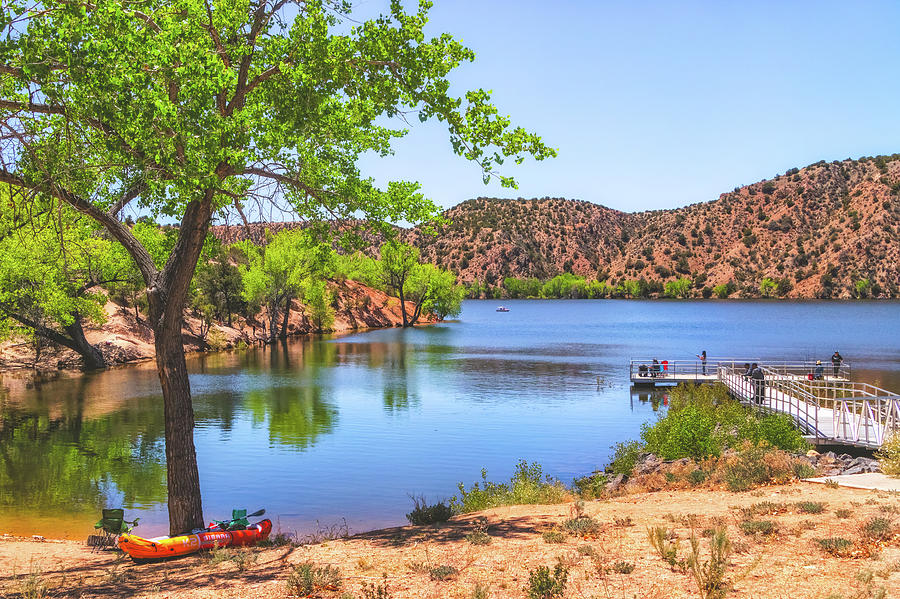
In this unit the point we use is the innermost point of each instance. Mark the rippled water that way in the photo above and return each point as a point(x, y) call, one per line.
point(322, 431)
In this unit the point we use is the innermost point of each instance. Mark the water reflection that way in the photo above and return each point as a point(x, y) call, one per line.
point(326, 428)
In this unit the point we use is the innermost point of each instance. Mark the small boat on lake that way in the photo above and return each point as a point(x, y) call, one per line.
point(502, 309)
point(140, 548)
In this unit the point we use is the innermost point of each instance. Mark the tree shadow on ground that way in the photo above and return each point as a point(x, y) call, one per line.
point(456, 530)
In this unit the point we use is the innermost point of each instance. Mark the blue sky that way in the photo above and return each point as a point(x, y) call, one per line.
point(662, 104)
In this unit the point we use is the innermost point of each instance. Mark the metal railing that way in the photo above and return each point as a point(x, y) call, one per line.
point(674, 369)
point(831, 409)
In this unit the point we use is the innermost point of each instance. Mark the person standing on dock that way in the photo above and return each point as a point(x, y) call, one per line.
point(836, 359)
point(702, 357)
point(759, 384)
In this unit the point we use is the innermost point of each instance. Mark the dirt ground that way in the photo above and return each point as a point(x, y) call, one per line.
point(787, 563)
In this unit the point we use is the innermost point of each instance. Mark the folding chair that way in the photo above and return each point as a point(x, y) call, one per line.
point(110, 526)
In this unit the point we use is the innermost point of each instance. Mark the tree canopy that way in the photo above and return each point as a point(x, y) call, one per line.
point(189, 108)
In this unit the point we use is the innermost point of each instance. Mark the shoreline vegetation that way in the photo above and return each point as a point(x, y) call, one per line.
point(87, 308)
point(715, 511)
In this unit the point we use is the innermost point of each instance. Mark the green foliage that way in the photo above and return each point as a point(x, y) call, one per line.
point(703, 420)
point(811, 507)
point(804, 470)
point(878, 528)
point(622, 567)
point(768, 287)
point(423, 513)
point(723, 290)
point(521, 288)
point(710, 575)
point(565, 285)
point(553, 536)
point(751, 469)
point(443, 572)
point(544, 584)
point(889, 455)
point(526, 486)
point(580, 526)
point(758, 527)
point(306, 579)
point(318, 301)
point(836, 546)
point(591, 486)
point(666, 546)
point(431, 289)
point(625, 457)
point(292, 262)
point(679, 288)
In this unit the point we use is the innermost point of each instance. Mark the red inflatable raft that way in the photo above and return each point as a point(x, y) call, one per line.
point(140, 548)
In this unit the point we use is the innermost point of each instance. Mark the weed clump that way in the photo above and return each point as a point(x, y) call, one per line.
point(878, 528)
point(842, 513)
point(554, 536)
point(428, 514)
point(442, 572)
point(710, 575)
point(666, 545)
point(836, 546)
point(811, 507)
point(580, 526)
point(544, 584)
point(528, 485)
point(758, 527)
point(622, 567)
point(308, 579)
point(755, 465)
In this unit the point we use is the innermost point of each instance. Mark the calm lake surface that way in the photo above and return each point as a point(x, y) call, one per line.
point(332, 430)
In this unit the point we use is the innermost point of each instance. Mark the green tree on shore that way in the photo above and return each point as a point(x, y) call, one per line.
point(188, 108)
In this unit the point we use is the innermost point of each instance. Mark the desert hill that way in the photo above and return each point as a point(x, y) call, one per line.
point(827, 230)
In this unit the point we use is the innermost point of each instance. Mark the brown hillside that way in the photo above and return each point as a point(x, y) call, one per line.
point(820, 229)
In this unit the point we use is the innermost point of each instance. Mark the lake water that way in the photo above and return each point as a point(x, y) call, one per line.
point(342, 430)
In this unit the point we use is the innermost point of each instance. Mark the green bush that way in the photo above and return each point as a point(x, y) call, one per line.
point(583, 525)
point(528, 485)
point(306, 579)
point(625, 457)
point(697, 477)
point(749, 469)
point(591, 486)
point(544, 584)
point(623, 567)
point(889, 455)
point(428, 514)
point(804, 470)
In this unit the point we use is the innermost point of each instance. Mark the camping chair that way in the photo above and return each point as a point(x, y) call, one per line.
point(238, 521)
point(110, 526)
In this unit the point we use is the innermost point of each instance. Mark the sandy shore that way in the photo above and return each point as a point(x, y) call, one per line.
point(787, 563)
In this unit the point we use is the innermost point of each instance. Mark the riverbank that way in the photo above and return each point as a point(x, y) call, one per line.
point(786, 558)
point(125, 338)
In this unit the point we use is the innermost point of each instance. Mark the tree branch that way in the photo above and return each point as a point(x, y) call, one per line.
point(119, 231)
point(130, 193)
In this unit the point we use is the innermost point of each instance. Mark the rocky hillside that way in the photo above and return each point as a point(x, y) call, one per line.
point(827, 230)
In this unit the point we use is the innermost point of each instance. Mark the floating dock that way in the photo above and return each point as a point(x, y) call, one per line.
point(825, 403)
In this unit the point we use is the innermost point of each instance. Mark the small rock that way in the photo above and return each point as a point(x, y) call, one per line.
point(812, 453)
point(855, 470)
point(37, 538)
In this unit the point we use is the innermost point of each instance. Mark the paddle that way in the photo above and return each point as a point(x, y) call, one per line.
point(228, 524)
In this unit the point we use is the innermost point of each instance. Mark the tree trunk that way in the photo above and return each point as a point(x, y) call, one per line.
point(182, 475)
point(287, 315)
point(93, 359)
point(402, 305)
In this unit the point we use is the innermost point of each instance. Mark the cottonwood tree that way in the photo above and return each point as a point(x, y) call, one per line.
point(188, 108)
point(53, 264)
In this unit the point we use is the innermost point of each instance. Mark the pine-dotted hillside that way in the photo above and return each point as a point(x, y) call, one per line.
point(489, 239)
point(828, 230)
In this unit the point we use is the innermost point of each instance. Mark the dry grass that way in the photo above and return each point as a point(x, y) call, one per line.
point(616, 561)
